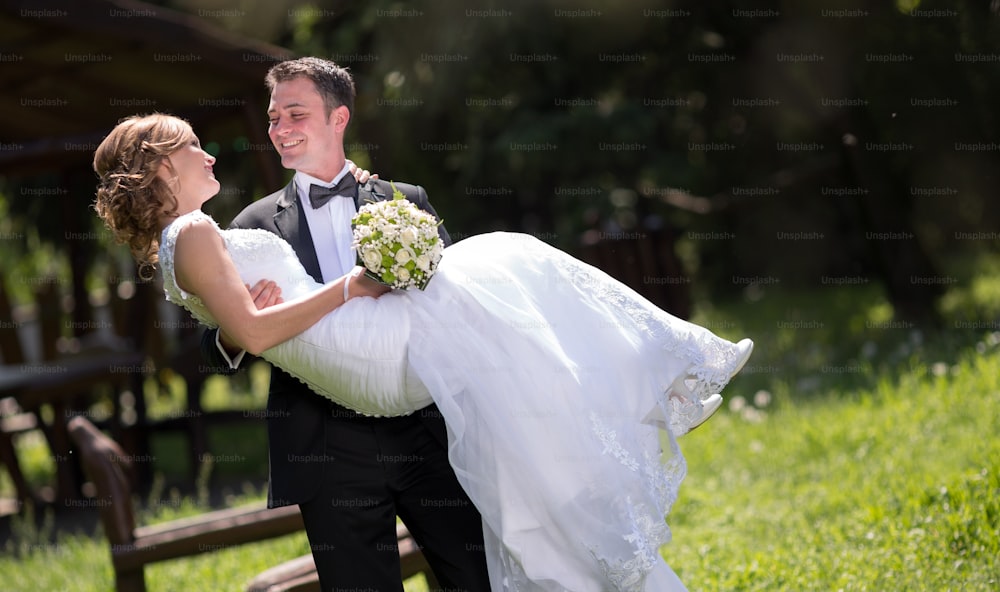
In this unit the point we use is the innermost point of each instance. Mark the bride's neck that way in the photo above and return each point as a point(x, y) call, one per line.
point(166, 219)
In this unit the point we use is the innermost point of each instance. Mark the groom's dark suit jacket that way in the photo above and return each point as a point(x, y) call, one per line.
point(296, 417)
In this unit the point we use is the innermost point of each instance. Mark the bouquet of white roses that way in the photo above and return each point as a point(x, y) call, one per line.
point(397, 243)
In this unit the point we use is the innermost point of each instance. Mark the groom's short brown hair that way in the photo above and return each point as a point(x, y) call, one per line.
point(333, 82)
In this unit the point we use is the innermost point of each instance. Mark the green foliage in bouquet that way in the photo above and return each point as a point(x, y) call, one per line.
point(397, 243)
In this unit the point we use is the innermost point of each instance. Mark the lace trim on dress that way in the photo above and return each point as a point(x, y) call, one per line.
point(630, 575)
point(649, 530)
point(173, 292)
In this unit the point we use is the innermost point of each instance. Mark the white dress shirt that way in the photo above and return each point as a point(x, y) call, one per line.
point(330, 227)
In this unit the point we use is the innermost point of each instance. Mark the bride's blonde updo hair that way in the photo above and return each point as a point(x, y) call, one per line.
point(130, 196)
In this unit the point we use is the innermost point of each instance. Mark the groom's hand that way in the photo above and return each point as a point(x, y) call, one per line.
point(264, 293)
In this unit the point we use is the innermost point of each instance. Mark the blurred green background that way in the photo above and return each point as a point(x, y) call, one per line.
point(820, 177)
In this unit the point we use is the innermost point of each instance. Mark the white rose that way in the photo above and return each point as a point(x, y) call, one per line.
point(424, 262)
point(402, 256)
point(373, 260)
point(408, 236)
point(403, 274)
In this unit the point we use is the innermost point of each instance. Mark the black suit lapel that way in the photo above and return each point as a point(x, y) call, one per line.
point(290, 222)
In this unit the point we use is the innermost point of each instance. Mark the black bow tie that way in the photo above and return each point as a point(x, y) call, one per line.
point(319, 195)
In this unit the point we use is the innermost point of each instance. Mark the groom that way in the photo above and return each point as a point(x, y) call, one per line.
point(351, 475)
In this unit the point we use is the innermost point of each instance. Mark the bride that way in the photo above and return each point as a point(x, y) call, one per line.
point(563, 390)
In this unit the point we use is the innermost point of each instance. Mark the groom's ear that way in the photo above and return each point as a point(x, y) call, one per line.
point(340, 117)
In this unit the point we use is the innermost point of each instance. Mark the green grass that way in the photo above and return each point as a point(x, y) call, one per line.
point(893, 488)
point(79, 563)
point(853, 455)
point(39, 558)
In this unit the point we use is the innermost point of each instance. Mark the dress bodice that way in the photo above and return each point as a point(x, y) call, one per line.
point(257, 254)
point(355, 355)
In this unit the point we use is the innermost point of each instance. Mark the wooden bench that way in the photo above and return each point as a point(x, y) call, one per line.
point(299, 574)
point(61, 382)
point(13, 419)
point(133, 548)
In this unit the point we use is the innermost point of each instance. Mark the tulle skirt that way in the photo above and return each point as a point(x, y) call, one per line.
point(563, 391)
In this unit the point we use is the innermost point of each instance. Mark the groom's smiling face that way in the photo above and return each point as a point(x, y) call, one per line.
point(304, 136)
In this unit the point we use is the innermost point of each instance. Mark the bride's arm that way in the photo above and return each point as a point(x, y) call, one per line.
point(203, 267)
point(265, 293)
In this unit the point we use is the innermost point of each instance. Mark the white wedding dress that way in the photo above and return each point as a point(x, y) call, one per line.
point(554, 381)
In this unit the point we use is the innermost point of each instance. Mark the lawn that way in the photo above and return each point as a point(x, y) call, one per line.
point(854, 454)
point(891, 488)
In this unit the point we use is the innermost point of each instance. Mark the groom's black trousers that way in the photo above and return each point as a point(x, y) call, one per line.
point(378, 468)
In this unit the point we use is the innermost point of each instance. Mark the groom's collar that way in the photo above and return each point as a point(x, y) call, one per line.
point(369, 192)
point(300, 186)
point(304, 180)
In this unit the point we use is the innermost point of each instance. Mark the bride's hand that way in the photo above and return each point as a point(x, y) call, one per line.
point(361, 175)
point(361, 285)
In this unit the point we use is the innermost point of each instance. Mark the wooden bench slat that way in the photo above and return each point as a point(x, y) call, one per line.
point(213, 533)
point(296, 571)
point(299, 574)
point(132, 548)
point(18, 424)
point(221, 519)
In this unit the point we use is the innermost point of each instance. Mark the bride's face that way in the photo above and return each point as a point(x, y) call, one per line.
point(188, 173)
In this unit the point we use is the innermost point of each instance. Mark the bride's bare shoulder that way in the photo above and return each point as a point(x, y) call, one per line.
point(202, 231)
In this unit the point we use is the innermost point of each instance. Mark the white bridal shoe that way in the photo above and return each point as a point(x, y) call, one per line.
point(710, 404)
point(745, 347)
